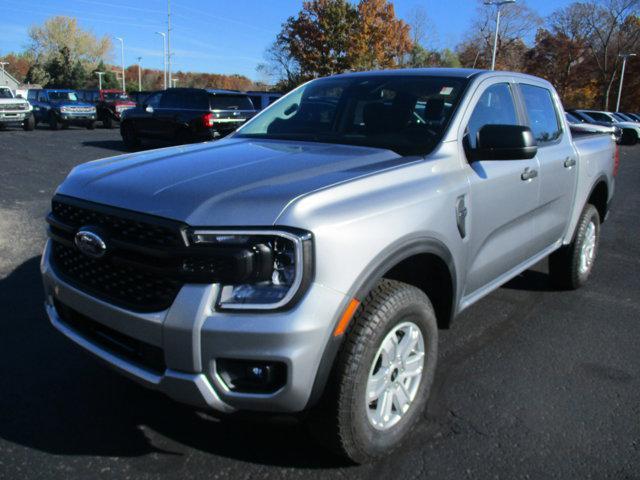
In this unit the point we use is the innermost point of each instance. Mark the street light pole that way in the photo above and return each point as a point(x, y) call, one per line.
point(169, 41)
point(99, 79)
point(4, 76)
point(498, 4)
point(164, 56)
point(624, 57)
point(122, 55)
point(139, 75)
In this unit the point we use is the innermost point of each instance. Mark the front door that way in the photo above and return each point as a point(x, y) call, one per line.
point(503, 195)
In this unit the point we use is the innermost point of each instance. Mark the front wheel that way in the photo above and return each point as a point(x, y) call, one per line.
point(384, 372)
point(29, 124)
point(107, 122)
point(570, 266)
point(91, 125)
point(54, 123)
point(129, 136)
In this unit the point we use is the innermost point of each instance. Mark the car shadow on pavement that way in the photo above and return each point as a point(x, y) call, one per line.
point(531, 280)
point(55, 398)
point(116, 145)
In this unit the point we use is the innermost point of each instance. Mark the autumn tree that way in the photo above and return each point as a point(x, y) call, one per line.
point(381, 39)
point(18, 64)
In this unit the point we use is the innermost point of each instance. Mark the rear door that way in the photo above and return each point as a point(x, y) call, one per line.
point(558, 163)
point(501, 202)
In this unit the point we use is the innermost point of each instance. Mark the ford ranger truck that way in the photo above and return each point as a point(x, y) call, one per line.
point(15, 111)
point(60, 108)
point(307, 262)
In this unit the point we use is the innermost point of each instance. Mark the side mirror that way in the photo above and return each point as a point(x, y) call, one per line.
point(148, 109)
point(504, 142)
point(628, 137)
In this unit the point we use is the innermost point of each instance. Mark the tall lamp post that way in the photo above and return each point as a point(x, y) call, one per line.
point(498, 4)
point(624, 57)
point(122, 57)
point(164, 56)
point(99, 79)
point(139, 75)
point(4, 76)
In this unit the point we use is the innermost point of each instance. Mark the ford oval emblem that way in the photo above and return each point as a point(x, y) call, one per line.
point(90, 243)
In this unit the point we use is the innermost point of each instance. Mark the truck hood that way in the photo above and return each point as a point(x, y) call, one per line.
point(69, 103)
point(232, 182)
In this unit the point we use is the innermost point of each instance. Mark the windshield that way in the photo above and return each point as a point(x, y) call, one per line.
point(230, 102)
point(112, 96)
point(5, 93)
point(406, 114)
point(572, 118)
point(63, 96)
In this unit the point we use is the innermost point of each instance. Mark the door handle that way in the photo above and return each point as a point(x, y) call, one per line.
point(569, 162)
point(528, 174)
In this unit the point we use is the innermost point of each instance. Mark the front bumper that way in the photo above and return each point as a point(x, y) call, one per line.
point(14, 116)
point(192, 335)
point(80, 118)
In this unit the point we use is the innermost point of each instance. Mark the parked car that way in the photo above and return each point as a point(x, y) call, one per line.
point(61, 108)
point(579, 127)
point(632, 116)
point(109, 104)
point(307, 261)
point(186, 115)
point(262, 100)
point(607, 118)
point(15, 111)
point(139, 97)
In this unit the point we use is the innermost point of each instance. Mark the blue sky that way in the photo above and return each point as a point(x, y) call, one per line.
point(219, 36)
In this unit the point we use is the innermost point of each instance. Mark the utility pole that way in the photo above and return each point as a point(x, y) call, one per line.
point(169, 40)
point(122, 53)
point(99, 79)
point(498, 4)
point(624, 57)
point(4, 76)
point(139, 75)
point(164, 56)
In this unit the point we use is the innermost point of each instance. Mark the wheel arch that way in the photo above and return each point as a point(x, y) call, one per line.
point(599, 197)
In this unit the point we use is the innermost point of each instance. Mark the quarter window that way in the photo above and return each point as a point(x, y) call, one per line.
point(543, 116)
point(495, 107)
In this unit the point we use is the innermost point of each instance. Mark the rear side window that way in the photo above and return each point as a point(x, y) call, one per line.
point(543, 116)
point(495, 107)
point(230, 102)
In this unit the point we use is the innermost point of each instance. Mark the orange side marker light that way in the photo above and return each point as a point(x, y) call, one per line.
point(346, 317)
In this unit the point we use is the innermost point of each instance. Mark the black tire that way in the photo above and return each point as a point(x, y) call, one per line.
point(341, 420)
point(565, 264)
point(91, 125)
point(107, 122)
point(129, 136)
point(54, 123)
point(29, 124)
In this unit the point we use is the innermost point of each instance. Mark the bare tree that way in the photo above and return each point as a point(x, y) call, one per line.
point(612, 28)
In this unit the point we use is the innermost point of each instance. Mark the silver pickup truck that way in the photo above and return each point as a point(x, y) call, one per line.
point(307, 262)
point(15, 111)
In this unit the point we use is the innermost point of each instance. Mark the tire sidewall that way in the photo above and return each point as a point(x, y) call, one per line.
point(376, 442)
point(590, 214)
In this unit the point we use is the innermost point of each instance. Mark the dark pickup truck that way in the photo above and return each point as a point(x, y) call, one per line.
point(184, 115)
point(109, 104)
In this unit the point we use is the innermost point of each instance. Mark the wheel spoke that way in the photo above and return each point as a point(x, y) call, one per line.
point(376, 386)
point(384, 406)
point(413, 365)
point(401, 399)
point(408, 342)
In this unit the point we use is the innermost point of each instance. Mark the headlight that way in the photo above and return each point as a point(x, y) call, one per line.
point(281, 266)
point(64, 109)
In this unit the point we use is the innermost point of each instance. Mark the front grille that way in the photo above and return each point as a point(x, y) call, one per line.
point(78, 109)
point(14, 107)
point(130, 230)
point(121, 285)
point(138, 272)
point(136, 351)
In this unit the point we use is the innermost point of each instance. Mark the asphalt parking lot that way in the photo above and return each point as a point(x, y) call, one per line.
point(532, 383)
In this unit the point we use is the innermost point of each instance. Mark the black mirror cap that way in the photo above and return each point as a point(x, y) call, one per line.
point(505, 142)
point(628, 137)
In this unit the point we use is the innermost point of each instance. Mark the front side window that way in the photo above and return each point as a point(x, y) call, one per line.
point(495, 107)
point(404, 113)
point(543, 116)
point(154, 100)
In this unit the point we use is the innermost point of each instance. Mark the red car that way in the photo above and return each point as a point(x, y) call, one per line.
point(109, 104)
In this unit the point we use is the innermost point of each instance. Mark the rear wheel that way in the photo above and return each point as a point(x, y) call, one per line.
point(107, 122)
point(383, 374)
point(29, 124)
point(571, 266)
point(129, 136)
